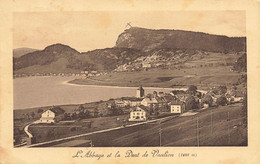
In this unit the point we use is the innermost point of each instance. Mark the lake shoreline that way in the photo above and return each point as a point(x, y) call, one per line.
point(80, 82)
point(59, 91)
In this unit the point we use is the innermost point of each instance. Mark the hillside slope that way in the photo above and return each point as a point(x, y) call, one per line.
point(147, 40)
point(59, 58)
point(18, 52)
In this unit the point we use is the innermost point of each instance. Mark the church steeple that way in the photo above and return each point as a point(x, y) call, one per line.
point(140, 92)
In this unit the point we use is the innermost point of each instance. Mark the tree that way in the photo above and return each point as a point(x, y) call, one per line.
point(198, 94)
point(81, 108)
point(222, 101)
point(86, 113)
point(192, 90)
point(191, 103)
point(32, 114)
point(39, 110)
point(96, 113)
point(207, 99)
point(65, 116)
point(222, 90)
point(80, 112)
point(28, 116)
point(156, 110)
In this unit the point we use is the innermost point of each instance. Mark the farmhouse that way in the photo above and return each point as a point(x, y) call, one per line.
point(177, 106)
point(138, 114)
point(52, 115)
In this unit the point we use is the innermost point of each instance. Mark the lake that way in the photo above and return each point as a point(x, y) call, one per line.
point(47, 91)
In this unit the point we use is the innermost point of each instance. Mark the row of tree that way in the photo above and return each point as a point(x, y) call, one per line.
point(101, 110)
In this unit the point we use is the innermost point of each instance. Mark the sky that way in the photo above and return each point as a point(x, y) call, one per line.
point(91, 30)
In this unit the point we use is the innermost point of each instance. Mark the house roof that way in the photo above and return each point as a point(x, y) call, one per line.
point(160, 100)
point(141, 107)
point(132, 98)
point(176, 92)
point(176, 102)
point(57, 110)
point(151, 100)
point(169, 97)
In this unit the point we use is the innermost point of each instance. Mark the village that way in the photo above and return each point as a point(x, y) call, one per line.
point(129, 110)
point(144, 107)
point(81, 74)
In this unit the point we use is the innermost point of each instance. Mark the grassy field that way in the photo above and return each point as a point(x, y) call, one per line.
point(211, 70)
point(178, 131)
point(21, 120)
point(182, 131)
point(45, 132)
point(202, 77)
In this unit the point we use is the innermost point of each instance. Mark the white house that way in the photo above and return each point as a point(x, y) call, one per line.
point(177, 107)
point(205, 106)
point(48, 117)
point(51, 115)
point(238, 99)
point(146, 65)
point(149, 101)
point(138, 114)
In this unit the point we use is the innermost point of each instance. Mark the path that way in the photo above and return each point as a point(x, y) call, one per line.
point(26, 128)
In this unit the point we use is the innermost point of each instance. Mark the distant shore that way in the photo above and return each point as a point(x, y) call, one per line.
point(81, 82)
point(76, 82)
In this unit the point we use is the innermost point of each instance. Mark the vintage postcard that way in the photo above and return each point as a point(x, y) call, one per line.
point(151, 82)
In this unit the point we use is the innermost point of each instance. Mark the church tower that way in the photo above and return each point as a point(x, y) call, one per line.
point(140, 92)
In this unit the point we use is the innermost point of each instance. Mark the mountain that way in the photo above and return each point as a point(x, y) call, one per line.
point(59, 58)
point(135, 48)
point(109, 58)
point(47, 56)
point(148, 39)
point(18, 52)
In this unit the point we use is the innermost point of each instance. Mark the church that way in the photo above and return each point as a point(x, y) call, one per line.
point(140, 92)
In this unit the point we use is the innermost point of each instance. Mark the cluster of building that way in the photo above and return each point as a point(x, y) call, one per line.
point(82, 74)
point(86, 74)
point(46, 74)
point(165, 59)
point(142, 107)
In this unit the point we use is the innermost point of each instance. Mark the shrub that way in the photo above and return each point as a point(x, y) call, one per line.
point(73, 129)
point(191, 103)
point(207, 99)
point(192, 90)
point(222, 101)
point(39, 110)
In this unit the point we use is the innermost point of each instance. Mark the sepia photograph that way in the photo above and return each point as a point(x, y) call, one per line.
point(130, 79)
